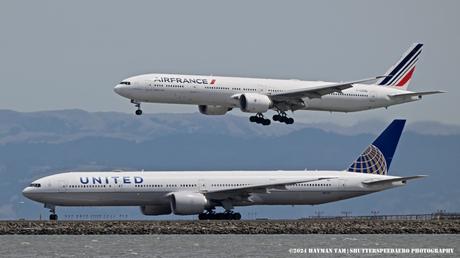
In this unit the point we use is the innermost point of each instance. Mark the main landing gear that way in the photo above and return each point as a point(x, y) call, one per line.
point(138, 106)
point(53, 215)
point(283, 118)
point(280, 117)
point(227, 215)
point(259, 119)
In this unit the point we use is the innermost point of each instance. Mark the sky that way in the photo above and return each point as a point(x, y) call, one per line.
point(70, 54)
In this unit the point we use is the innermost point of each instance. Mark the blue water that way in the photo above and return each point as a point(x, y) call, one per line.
point(220, 245)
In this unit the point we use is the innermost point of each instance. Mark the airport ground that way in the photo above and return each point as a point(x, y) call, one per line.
point(307, 226)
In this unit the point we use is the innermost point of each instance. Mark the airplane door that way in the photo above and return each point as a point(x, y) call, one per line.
point(61, 186)
point(201, 184)
point(261, 88)
point(371, 96)
point(340, 184)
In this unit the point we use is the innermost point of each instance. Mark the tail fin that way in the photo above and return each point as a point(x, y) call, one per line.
point(376, 159)
point(400, 74)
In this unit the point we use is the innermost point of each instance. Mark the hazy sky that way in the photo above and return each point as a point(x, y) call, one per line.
point(70, 54)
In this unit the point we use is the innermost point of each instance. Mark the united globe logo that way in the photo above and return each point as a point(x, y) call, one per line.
point(371, 161)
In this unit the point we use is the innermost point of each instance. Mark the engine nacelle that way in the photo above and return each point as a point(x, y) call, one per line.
point(213, 110)
point(186, 203)
point(156, 209)
point(255, 103)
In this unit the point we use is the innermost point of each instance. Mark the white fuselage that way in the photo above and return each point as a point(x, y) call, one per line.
point(220, 91)
point(154, 188)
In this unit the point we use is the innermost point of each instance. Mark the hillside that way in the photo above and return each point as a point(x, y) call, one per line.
point(42, 143)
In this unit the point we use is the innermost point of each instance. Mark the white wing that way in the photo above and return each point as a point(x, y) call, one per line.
point(246, 191)
point(318, 91)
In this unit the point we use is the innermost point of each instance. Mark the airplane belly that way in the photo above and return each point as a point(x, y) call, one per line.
point(304, 197)
point(343, 104)
point(191, 96)
point(211, 98)
point(154, 95)
point(337, 104)
point(102, 198)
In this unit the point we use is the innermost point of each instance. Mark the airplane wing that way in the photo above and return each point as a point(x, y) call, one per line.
point(317, 91)
point(415, 94)
point(245, 191)
point(391, 180)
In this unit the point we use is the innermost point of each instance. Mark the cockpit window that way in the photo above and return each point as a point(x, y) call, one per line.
point(125, 82)
point(35, 185)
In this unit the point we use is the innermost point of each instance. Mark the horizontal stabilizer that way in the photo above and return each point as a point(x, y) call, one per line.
point(391, 180)
point(416, 94)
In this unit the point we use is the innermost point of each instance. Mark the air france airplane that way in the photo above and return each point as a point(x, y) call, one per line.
point(189, 193)
point(216, 95)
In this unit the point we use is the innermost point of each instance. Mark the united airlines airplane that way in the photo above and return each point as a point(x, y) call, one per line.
point(216, 95)
point(188, 193)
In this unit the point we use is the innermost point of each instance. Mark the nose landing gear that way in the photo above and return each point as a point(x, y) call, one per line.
point(53, 215)
point(138, 106)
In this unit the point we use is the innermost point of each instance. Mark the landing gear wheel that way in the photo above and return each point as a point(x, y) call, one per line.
point(259, 119)
point(52, 207)
point(231, 215)
point(219, 216)
point(138, 106)
point(283, 118)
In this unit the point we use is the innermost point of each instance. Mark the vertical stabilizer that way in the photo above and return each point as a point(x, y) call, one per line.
point(400, 74)
point(376, 159)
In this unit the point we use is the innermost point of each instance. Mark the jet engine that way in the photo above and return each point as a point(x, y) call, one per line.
point(213, 110)
point(255, 103)
point(156, 209)
point(186, 203)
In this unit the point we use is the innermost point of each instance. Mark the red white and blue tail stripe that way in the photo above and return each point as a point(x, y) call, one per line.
point(400, 74)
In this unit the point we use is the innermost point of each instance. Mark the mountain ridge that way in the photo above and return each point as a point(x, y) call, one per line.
point(41, 144)
point(67, 125)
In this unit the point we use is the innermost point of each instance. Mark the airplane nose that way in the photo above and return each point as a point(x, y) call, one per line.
point(26, 192)
point(118, 89)
point(122, 90)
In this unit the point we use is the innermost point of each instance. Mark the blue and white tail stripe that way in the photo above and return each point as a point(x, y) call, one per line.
point(399, 75)
point(376, 159)
point(371, 161)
